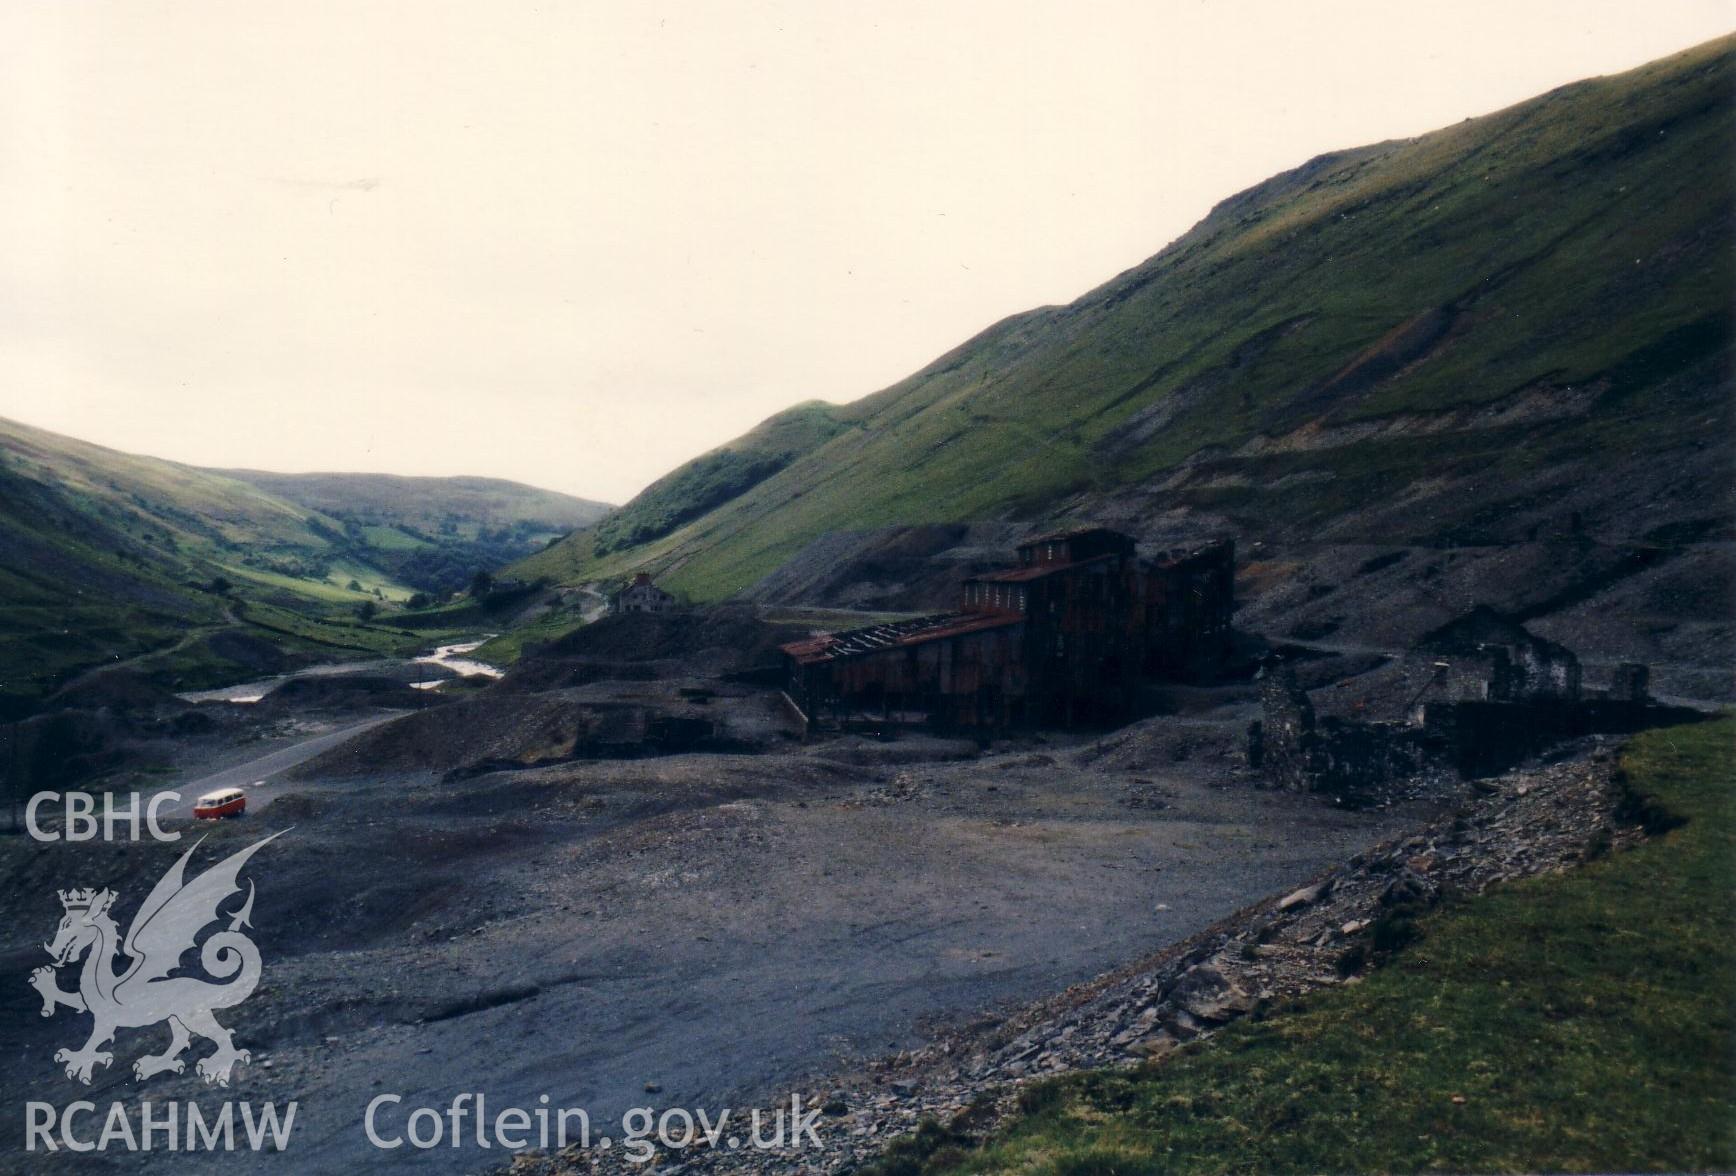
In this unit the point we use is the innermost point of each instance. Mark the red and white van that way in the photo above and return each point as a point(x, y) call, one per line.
point(214, 806)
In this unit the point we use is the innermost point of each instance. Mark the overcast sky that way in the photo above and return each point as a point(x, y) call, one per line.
point(577, 243)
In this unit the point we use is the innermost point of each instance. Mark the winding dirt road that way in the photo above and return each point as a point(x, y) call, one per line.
point(255, 776)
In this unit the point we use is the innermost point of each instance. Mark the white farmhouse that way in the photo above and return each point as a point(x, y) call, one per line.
point(643, 596)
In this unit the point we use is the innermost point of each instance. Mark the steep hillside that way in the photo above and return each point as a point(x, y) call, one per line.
point(197, 576)
point(1513, 331)
point(714, 478)
point(76, 591)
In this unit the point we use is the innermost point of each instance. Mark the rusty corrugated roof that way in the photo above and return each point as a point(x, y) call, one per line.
point(874, 638)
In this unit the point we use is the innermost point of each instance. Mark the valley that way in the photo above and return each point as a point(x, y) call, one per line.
point(1324, 619)
point(189, 578)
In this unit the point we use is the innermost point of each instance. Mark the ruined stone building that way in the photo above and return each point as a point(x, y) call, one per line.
point(642, 596)
point(1352, 762)
point(1063, 637)
point(1483, 656)
point(1481, 694)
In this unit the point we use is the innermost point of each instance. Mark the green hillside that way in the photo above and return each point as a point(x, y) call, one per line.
point(1449, 339)
point(197, 577)
point(714, 478)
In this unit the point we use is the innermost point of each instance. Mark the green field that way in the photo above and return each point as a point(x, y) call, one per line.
point(508, 647)
point(329, 590)
point(391, 539)
point(1580, 1022)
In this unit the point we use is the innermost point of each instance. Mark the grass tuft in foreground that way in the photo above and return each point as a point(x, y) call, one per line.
point(1575, 1022)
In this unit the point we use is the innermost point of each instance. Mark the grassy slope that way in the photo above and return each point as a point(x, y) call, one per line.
point(75, 591)
point(157, 502)
point(1585, 1021)
point(508, 647)
point(712, 479)
point(1579, 239)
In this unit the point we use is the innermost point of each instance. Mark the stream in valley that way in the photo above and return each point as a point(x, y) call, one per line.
point(445, 662)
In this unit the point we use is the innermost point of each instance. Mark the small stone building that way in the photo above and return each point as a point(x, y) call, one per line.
point(1484, 656)
point(1351, 762)
point(642, 596)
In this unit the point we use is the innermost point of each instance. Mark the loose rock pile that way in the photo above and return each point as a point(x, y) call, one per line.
point(1324, 933)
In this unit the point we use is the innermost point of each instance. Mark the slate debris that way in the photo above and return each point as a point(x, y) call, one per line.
point(1327, 932)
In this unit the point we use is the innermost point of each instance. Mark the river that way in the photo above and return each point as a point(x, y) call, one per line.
point(447, 657)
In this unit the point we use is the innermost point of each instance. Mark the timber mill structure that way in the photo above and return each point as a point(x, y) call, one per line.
point(1063, 638)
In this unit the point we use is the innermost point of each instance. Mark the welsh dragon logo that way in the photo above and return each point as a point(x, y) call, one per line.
point(164, 929)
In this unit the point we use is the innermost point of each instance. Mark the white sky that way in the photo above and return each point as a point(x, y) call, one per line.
point(577, 243)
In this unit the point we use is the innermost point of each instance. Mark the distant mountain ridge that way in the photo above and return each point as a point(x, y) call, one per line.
point(432, 533)
point(424, 502)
